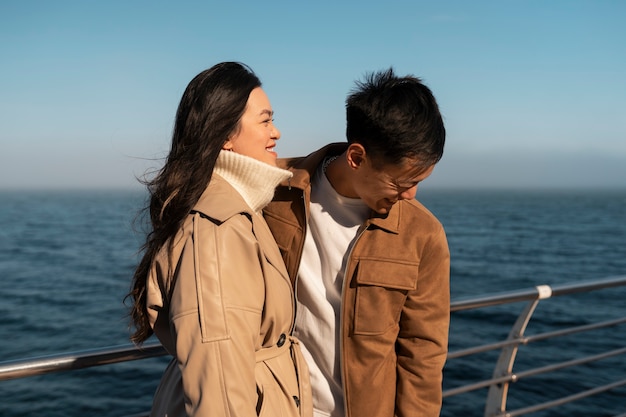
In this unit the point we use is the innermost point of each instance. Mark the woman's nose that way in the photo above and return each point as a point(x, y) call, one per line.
point(275, 133)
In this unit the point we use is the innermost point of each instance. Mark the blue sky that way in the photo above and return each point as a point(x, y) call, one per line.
point(533, 92)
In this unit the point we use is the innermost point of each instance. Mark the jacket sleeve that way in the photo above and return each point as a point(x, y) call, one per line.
point(215, 314)
point(423, 337)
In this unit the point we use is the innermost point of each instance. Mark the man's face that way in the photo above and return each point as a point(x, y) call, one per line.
point(382, 186)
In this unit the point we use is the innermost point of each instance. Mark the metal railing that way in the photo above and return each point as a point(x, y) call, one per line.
point(503, 376)
point(498, 385)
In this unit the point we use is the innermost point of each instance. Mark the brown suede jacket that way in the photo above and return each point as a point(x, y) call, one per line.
point(396, 298)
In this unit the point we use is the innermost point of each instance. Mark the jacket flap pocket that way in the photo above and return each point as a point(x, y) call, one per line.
point(390, 274)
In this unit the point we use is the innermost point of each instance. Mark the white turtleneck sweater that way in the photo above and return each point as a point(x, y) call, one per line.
point(253, 179)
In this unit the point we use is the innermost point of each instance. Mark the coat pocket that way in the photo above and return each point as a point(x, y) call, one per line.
point(269, 404)
point(381, 290)
point(277, 382)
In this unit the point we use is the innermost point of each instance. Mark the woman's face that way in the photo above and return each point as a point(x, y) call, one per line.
point(257, 134)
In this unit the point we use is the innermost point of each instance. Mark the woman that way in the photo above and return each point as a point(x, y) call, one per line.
point(212, 285)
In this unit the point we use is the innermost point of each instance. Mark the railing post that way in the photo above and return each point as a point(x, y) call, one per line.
point(497, 395)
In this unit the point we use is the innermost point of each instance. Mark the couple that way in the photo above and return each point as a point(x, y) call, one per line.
point(314, 285)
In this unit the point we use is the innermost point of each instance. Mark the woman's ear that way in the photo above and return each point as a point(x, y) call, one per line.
point(355, 155)
point(227, 146)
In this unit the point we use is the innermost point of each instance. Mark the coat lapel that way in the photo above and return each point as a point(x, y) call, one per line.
point(268, 245)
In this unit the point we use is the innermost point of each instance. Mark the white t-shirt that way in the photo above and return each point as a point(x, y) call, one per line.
point(333, 224)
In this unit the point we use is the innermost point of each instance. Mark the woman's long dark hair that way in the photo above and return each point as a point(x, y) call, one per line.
point(208, 114)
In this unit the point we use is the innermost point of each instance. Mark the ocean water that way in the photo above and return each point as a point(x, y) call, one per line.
point(66, 259)
point(510, 240)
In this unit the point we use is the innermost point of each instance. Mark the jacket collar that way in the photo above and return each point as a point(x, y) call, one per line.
point(303, 168)
point(389, 221)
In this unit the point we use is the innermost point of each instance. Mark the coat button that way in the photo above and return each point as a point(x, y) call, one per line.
point(281, 340)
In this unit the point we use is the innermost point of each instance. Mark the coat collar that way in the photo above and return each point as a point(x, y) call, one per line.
point(220, 201)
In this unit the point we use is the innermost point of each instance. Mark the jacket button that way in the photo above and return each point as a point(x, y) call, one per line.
point(281, 340)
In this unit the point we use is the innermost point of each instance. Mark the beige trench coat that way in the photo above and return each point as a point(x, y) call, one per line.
point(225, 313)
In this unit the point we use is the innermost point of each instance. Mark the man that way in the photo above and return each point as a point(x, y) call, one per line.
point(370, 264)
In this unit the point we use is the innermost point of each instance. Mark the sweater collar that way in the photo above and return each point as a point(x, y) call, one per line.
point(253, 179)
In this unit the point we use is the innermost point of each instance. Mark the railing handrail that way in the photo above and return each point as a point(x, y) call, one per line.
point(535, 293)
point(39, 365)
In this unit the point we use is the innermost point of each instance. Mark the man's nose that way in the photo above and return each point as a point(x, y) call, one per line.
point(408, 194)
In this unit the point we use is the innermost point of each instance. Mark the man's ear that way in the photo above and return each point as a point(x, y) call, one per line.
point(355, 155)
